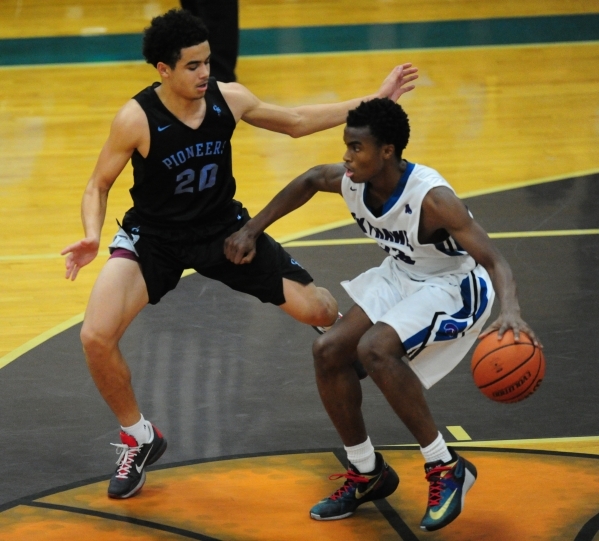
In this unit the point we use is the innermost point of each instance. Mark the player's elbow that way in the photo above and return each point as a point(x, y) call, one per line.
point(297, 130)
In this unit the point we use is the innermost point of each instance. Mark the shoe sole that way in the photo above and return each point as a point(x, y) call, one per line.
point(338, 517)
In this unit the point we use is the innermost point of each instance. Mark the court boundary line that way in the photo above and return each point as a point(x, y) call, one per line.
point(315, 53)
point(122, 518)
point(100, 63)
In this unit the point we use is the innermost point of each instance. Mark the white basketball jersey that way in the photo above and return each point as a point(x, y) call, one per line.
point(396, 230)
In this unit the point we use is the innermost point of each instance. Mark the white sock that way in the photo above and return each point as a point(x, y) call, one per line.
point(142, 431)
point(436, 451)
point(362, 456)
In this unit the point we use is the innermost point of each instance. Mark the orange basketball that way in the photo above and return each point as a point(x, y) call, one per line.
point(507, 371)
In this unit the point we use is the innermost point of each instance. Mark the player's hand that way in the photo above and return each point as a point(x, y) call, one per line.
point(240, 247)
point(396, 83)
point(78, 255)
point(511, 321)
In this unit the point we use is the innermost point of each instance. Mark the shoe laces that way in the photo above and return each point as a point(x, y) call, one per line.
point(352, 479)
point(126, 457)
point(436, 477)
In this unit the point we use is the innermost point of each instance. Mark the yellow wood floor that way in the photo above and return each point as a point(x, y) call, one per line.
point(485, 117)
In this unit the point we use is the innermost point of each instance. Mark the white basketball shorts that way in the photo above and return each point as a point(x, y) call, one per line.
point(438, 319)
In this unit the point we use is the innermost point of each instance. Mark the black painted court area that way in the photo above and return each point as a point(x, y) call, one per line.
point(222, 374)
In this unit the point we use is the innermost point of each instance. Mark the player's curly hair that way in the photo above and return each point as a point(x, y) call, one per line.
point(169, 33)
point(387, 120)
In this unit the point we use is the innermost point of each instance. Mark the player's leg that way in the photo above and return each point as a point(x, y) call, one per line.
point(368, 477)
point(117, 297)
point(382, 353)
point(439, 347)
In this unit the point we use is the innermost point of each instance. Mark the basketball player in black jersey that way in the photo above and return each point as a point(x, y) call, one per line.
point(177, 134)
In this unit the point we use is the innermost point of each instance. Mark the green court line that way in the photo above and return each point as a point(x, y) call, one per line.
point(319, 39)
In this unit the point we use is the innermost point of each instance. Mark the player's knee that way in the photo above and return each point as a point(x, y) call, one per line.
point(327, 353)
point(373, 354)
point(95, 345)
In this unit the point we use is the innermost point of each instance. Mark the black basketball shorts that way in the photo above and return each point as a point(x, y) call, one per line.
point(164, 254)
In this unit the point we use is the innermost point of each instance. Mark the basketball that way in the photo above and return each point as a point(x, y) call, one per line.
point(507, 371)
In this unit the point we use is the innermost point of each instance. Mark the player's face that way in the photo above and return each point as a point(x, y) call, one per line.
point(364, 158)
point(189, 79)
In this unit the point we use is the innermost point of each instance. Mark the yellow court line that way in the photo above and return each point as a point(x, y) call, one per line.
point(34, 342)
point(8, 358)
point(506, 235)
point(458, 433)
point(500, 443)
point(557, 233)
point(327, 242)
point(29, 257)
point(289, 242)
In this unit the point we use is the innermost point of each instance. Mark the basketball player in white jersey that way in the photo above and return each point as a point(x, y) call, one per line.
point(415, 316)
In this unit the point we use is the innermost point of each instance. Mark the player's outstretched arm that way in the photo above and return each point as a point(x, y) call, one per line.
point(442, 209)
point(126, 134)
point(240, 247)
point(307, 119)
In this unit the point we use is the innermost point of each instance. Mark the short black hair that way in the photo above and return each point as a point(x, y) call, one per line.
point(387, 120)
point(169, 33)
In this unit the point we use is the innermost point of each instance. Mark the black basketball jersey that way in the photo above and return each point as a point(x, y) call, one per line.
point(187, 176)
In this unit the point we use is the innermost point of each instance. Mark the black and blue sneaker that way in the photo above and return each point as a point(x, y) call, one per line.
point(130, 474)
point(358, 488)
point(449, 483)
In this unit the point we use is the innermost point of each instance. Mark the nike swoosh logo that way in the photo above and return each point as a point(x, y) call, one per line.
point(359, 495)
point(438, 514)
point(162, 128)
point(141, 467)
point(353, 189)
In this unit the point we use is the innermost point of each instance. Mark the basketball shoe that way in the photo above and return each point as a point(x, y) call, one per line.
point(449, 483)
point(358, 367)
point(130, 474)
point(358, 488)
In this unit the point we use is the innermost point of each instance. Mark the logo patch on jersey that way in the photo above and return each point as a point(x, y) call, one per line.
point(408, 209)
point(217, 109)
point(353, 189)
point(162, 128)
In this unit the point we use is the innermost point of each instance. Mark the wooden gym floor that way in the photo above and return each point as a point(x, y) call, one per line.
point(506, 108)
